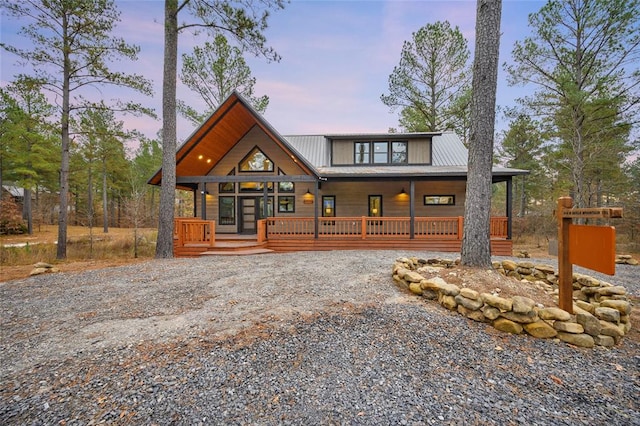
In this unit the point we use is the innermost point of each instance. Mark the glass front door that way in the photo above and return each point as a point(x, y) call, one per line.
point(248, 215)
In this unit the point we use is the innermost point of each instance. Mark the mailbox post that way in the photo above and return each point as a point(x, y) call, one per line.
point(593, 247)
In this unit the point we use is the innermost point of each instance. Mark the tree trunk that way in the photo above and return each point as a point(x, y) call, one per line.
point(64, 163)
point(27, 210)
point(476, 241)
point(105, 212)
point(164, 247)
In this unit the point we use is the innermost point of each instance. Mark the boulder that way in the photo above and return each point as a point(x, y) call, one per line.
point(554, 314)
point(608, 314)
point(509, 265)
point(508, 326)
point(522, 305)
point(621, 306)
point(474, 315)
point(472, 305)
point(613, 290)
point(568, 327)
point(590, 323)
point(440, 285)
point(606, 341)
point(547, 269)
point(610, 329)
point(540, 329)
point(585, 306)
point(415, 288)
point(526, 318)
point(490, 312)
point(469, 294)
point(413, 277)
point(448, 302)
point(497, 301)
point(582, 340)
point(38, 271)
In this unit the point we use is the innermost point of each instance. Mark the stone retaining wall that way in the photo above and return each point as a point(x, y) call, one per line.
point(601, 310)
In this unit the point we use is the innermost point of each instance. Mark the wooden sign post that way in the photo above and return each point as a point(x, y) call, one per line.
point(593, 247)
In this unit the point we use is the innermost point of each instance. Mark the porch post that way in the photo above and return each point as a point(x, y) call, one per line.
point(203, 198)
point(315, 210)
point(509, 205)
point(412, 210)
point(265, 196)
point(195, 202)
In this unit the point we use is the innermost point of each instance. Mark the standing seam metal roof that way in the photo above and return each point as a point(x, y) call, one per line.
point(447, 148)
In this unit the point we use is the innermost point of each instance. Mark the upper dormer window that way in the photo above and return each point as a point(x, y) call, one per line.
point(380, 152)
point(256, 161)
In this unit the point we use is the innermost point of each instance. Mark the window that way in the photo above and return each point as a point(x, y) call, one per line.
point(228, 186)
point(255, 186)
point(286, 204)
point(269, 207)
point(328, 206)
point(398, 152)
point(256, 161)
point(375, 205)
point(227, 210)
point(362, 150)
point(380, 152)
point(285, 186)
point(439, 200)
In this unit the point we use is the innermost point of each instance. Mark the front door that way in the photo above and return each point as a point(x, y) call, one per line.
point(248, 215)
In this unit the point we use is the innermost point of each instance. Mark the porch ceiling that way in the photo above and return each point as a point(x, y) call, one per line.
point(213, 140)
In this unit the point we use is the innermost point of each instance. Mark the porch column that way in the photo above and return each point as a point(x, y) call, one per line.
point(316, 209)
point(265, 196)
point(195, 202)
point(509, 205)
point(412, 210)
point(203, 198)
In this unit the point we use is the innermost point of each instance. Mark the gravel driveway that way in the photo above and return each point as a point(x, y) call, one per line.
point(295, 338)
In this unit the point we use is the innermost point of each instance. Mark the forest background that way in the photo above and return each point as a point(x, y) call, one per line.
point(574, 127)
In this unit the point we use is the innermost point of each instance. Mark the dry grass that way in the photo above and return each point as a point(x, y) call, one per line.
point(85, 249)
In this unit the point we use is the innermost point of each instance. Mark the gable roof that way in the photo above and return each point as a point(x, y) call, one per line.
point(235, 117)
point(206, 146)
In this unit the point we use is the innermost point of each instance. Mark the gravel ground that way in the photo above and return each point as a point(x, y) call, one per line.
point(300, 338)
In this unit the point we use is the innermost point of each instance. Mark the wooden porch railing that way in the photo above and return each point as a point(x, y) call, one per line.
point(193, 231)
point(374, 227)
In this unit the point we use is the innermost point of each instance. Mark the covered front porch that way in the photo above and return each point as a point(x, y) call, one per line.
point(195, 237)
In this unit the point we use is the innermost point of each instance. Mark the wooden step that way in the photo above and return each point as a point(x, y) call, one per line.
point(243, 252)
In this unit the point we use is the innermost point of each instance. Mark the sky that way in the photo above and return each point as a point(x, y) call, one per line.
point(336, 59)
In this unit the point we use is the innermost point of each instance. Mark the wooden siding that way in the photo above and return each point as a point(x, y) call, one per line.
point(255, 137)
point(352, 198)
point(419, 151)
point(342, 153)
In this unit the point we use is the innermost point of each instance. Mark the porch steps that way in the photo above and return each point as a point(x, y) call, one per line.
point(236, 245)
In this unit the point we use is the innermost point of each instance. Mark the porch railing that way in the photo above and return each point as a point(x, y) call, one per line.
point(193, 231)
point(375, 227)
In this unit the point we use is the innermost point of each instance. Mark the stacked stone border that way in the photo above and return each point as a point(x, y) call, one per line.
point(601, 311)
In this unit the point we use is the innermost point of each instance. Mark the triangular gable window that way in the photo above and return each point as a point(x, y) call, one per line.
point(256, 161)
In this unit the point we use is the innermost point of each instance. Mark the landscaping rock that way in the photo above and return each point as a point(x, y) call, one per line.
point(552, 313)
point(582, 340)
point(540, 329)
point(608, 314)
point(508, 326)
point(497, 302)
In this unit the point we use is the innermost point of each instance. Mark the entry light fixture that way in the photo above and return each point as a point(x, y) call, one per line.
point(307, 198)
point(403, 192)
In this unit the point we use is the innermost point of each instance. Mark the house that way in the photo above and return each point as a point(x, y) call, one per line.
point(321, 192)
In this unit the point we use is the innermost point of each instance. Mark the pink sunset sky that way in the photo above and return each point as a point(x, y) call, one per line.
point(336, 59)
